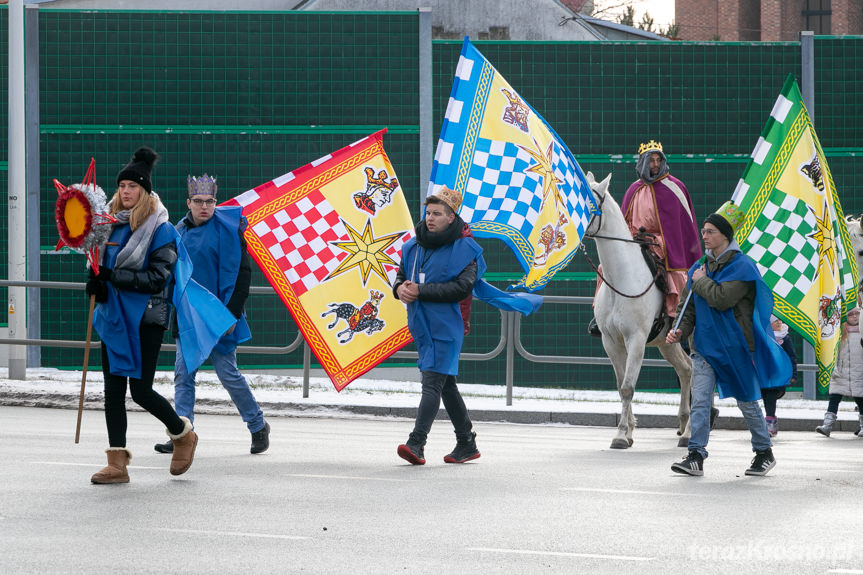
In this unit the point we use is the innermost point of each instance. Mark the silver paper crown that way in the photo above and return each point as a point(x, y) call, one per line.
point(204, 185)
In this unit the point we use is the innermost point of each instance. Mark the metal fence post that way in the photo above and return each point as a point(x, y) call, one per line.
point(807, 81)
point(17, 306)
point(510, 353)
point(426, 102)
point(307, 363)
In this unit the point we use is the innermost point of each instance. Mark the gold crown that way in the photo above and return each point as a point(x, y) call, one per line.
point(450, 197)
point(650, 146)
point(381, 179)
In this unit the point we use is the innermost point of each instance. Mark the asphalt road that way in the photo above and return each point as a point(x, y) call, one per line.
point(331, 496)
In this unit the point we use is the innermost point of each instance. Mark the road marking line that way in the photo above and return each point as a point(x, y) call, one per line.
point(316, 476)
point(630, 491)
point(92, 464)
point(231, 533)
point(560, 554)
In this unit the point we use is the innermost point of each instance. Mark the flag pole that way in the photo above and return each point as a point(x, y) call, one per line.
point(84, 370)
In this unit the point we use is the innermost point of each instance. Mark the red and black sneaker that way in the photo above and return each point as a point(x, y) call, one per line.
point(465, 450)
point(412, 453)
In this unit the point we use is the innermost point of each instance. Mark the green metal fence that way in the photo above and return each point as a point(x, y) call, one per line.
point(249, 96)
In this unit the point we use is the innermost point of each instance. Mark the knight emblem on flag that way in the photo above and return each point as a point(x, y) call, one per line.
point(323, 234)
point(795, 229)
point(520, 182)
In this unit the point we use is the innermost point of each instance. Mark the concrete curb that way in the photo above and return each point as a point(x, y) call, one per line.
point(94, 402)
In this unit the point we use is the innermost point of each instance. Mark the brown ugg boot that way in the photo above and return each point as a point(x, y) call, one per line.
point(184, 448)
point(115, 471)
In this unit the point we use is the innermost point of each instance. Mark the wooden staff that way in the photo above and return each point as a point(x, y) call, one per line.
point(86, 362)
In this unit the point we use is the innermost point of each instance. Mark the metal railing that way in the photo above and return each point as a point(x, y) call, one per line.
point(510, 339)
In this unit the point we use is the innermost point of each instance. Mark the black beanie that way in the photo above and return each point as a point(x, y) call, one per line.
point(139, 167)
point(722, 225)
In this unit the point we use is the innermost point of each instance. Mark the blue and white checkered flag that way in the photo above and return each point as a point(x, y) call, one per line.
point(519, 181)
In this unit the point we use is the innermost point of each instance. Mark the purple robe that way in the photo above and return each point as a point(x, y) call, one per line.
point(679, 228)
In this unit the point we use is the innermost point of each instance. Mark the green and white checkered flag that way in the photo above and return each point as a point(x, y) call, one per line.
point(795, 230)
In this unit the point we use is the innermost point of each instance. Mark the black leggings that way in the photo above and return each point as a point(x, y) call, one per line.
point(835, 398)
point(770, 395)
point(142, 390)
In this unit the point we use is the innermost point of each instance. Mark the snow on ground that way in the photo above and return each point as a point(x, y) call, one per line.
point(286, 387)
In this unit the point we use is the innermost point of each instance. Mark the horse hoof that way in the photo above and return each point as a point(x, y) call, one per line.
point(683, 442)
point(621, 443)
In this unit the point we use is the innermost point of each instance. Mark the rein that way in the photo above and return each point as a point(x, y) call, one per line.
point(631, 240)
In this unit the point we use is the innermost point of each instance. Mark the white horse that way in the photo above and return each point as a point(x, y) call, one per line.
point(625, 322)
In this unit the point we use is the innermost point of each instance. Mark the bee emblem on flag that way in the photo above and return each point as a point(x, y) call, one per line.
point(812, 170)
point(359, 319)
point(378, 193)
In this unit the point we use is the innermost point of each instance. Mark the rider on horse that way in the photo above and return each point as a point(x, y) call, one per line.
point(658, 209)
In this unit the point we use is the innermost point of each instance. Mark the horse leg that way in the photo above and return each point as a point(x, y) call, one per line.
point(617, 354)
point(683, 367)
point(350, 336)
point(626, 426)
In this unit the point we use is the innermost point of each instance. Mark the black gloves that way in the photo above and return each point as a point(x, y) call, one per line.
point(98, 285)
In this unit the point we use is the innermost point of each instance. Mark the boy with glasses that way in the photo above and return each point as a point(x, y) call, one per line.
point(214, 240)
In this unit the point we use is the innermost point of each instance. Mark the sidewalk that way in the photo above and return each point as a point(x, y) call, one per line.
point(280, 394)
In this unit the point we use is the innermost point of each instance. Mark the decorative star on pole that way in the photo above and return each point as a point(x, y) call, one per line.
point(367, 253)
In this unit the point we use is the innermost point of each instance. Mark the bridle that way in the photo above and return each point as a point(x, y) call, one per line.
point(598, 212)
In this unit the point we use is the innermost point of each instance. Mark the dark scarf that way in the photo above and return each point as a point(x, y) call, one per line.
point(433, 240)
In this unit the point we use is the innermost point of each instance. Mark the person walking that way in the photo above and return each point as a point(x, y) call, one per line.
point(731, 341)
point(213, 238)
point(847, 377)
point(132, 289)
point(438, 269)
point(771, 395)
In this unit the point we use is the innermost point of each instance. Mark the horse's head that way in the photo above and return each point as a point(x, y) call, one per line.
point(599, 191)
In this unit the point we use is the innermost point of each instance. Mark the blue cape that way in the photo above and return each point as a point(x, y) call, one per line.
point(216, 252)
point(201, 317)
point(719, 338)
point(437, 327)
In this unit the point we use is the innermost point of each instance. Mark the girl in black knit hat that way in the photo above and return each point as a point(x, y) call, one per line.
point(132, 289)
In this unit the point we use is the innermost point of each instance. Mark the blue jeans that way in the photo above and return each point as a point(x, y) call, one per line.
point(703, 383)
point(225, 365)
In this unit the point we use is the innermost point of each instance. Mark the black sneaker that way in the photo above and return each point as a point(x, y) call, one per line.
point(412, 453)
point(762, 463)
point(167, 447)
point(261, 439)
point(465, 450)
point(692, 464)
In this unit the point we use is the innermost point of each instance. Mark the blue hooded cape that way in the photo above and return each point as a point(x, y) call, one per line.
point(719, 338)
point(201, 317)
point(216, 252)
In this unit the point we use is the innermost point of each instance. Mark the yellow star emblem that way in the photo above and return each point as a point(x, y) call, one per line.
point(823, 234)
point(546, 172)
point(367, 253)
